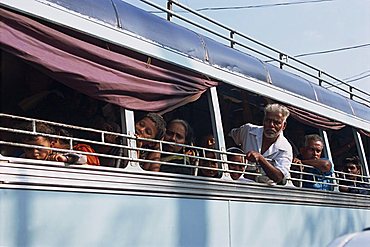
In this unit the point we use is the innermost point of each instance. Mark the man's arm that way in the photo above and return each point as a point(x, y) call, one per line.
point(343, 188)
point(239, 134)
point(321, 164)
point(271, 171)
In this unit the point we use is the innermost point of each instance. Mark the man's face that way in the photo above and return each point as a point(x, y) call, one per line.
point(273, 124)
point(175, 133)
point(351, 169)
point(313, 150)
point(38, 153)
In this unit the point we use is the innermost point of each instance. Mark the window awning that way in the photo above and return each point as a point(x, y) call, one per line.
point(97, 72)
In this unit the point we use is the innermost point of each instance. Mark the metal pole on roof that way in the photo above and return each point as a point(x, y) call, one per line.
point(320, 80)
point(169, 7)
point(281, 57)
point(232, 43)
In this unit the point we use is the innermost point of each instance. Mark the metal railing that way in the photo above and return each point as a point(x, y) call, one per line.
point(282, 58)
point(11, 145)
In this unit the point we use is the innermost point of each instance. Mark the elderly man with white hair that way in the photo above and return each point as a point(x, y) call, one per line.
point(266, 145)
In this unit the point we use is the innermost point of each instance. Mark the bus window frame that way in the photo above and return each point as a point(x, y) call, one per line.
point(217, 125)
point(361, 152)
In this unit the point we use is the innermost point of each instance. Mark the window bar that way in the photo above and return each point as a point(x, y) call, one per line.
point(217, 127)
point(128, 126)
point(324, 136)
point(361, 152)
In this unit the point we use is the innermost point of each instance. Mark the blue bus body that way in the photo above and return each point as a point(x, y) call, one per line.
point(59, 218)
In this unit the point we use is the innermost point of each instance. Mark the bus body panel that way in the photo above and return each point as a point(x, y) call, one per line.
point(52, 218)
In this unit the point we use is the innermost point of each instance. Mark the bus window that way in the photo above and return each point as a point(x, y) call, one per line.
point(185, 127)
point(342, 145)
point(239, 107)
point(35, 95)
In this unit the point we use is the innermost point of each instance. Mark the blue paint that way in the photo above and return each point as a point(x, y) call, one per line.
point(46, 218)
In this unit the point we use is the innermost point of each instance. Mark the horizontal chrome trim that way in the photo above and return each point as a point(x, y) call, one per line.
point(117, 181)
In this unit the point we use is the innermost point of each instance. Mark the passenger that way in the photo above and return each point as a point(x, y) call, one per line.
point(207, 141)
point(266, 145)
point(296, 172)
point(91, 159)
point(178, 131)
point(353, 168)
point(295, 139)
point(213, 173)
point(109, 126)
point(62, 143)
point(237, 167)
point(151, 126)
point(44, 142)
point(321, 168)
point(65, 143)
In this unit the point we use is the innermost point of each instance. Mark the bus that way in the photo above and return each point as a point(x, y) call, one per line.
point(90, 70)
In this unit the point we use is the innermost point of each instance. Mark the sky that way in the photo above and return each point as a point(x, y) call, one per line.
point(298, 27)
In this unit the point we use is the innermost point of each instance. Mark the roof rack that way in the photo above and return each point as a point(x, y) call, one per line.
point(283, 59)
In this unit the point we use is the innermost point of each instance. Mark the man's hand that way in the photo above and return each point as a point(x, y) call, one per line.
point(253, 156)
point(297, 161)
point(271, 171)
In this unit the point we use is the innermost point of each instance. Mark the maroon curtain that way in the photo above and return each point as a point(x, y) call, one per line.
point(318, 121)
point(363, 132)
point(97, 72)
point(314, 120)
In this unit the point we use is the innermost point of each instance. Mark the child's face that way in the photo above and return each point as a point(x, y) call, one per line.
point(352, 169)
point(146, 128)
point(236, 167)
point(58, 144)
point(38, 153)
point(210, 164)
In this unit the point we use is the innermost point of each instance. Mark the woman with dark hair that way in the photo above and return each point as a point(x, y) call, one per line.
point(178, 132)
point(353, 183)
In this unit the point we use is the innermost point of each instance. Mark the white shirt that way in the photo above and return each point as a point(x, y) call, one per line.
point(245, 180)
point(280, 153)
